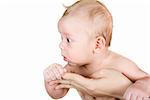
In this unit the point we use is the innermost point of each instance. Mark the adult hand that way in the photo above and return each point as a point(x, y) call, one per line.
point(140, 90)
point(107, 82)
point(72, 80)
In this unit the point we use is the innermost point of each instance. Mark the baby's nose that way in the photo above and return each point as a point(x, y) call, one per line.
point(61, 45)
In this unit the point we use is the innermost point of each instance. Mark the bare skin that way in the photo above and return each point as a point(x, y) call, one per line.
point(85, 83)
point(95, 71)
point(86, 86)
point(79, 78)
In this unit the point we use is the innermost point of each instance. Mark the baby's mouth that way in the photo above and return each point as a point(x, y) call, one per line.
point(65, 59)
point(69, 62)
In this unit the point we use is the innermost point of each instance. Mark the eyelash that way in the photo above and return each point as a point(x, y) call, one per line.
point(68, 40)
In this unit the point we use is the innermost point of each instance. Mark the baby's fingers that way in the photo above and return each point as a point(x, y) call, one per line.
point(53, 72)
point(48, 75)
point(56, 73)
point(60, 69)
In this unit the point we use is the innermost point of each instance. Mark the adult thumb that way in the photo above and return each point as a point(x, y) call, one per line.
point(76, 78)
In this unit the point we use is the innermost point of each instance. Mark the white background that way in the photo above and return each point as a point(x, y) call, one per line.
point(29, 42)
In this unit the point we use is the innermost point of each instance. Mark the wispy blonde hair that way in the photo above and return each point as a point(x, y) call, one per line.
point(99, 16)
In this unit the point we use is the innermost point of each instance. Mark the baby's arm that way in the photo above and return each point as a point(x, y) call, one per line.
point(133, 72)
point(51, 74)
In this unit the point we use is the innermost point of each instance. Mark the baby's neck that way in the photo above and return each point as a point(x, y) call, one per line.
point(98, 62)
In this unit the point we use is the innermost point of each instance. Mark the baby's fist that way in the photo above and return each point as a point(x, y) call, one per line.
point(53, 72)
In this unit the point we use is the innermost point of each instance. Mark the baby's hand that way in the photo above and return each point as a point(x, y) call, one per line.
point(53, 72)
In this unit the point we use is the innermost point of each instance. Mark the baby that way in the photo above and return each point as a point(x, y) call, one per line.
point(86, 30)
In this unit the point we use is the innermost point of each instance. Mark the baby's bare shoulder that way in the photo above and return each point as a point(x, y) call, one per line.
point(128, 68)
point(118, 65)
point(126, 64)
point(121, 63)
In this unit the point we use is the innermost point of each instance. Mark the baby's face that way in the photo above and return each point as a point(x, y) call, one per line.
point(76, 45)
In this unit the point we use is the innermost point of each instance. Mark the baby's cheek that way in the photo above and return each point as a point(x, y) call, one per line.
point(67, 47)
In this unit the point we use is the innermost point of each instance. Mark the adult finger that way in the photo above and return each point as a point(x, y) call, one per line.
point(53, 82)
point(75, 78)
point(127, 96)
point(63, 86)
point(140, 98)
point(146, 98)
point(133, 97)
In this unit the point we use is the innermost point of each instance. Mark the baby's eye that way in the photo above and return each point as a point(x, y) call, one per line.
point(68, 40)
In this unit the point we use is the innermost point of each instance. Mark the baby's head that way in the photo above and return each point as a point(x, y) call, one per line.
point(87, 21)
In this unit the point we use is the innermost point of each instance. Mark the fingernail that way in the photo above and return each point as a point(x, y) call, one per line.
point(56, 87)
point(50, 83)
point(65, 70)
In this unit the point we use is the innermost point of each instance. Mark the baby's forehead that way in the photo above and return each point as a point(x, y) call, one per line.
point(73, 18)
point(72, 27)
point(72, 22)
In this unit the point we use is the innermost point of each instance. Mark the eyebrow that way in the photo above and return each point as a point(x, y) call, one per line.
point(67, 34)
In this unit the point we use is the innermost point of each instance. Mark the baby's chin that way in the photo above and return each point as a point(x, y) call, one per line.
point(72, 64)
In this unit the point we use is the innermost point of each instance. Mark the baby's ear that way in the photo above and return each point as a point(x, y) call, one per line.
point(99, 44)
